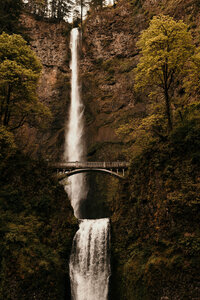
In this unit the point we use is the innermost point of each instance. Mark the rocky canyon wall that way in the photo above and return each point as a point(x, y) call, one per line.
point(50, 42)
point(109, 57)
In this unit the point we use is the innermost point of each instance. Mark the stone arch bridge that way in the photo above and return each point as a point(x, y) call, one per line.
point(67, 169)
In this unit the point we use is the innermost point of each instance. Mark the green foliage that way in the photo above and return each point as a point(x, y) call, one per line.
point(166, 43)
point(155, 218)
point(192, 81)
point(114, 65)
point(140, 132)
point(7, 144)
point(19, 74)
point(9, 15)
point(37, 227)
point(166, 48)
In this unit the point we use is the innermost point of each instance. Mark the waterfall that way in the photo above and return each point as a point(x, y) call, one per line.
point(74, 143)
point(89, 261)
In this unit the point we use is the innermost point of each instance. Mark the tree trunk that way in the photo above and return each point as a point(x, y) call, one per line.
point(168, 110)
point(81, 14)
point(7, 110)
point(181, 116)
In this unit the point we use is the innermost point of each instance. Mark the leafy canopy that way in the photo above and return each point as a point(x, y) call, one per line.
point(166, 47)
point(192, 80)
point(19, 74)
point(168, 62)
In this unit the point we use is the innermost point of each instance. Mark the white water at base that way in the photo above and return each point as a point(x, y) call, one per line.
point(89, 261)
point(74, 143)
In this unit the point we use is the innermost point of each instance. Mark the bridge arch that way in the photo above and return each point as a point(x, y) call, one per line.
point(78, 171)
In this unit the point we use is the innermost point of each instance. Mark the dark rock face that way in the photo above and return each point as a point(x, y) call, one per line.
point(108, 58)
point(50, 41)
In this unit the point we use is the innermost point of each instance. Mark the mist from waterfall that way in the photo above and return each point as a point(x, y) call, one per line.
point(74, 142)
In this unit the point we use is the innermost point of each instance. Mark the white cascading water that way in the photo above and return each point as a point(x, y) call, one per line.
point(89, 261)
point(74, 143)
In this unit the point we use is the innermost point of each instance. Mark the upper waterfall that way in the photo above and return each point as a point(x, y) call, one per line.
point(74, 143)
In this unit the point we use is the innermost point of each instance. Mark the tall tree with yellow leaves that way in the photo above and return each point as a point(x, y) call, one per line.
point(19, 74)
point(166, 47)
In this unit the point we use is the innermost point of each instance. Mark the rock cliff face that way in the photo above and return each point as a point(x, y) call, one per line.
point(109, 55)
point(50, 41)
point(108, 59)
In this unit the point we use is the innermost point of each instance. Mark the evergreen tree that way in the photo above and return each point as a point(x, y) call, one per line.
point(50, 9)
point(96, 4)
point(79, 9)
point(9, 15)
point(38, 7)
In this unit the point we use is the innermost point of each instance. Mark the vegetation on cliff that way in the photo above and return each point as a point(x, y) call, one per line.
point(155, 232)
point(166, 49)
point(9, 16)
point(168, 73)
point(37, 227)
point(19, 74)
point(37, 223)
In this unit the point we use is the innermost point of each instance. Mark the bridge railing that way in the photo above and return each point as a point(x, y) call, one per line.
point(89, 164)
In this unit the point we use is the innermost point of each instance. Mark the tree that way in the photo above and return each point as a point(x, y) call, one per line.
point(9, 15)
point(166, 47)
point(56, 10)
point(79, 10)
point(192, 80)
point(19, 74)
point(7, 145)
point(96, 4)
point(59, 9)
point(37, 7)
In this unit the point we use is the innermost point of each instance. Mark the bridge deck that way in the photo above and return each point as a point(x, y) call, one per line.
point(89, 164)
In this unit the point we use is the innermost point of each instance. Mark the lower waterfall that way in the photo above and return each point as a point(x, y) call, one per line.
point(89, 262)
